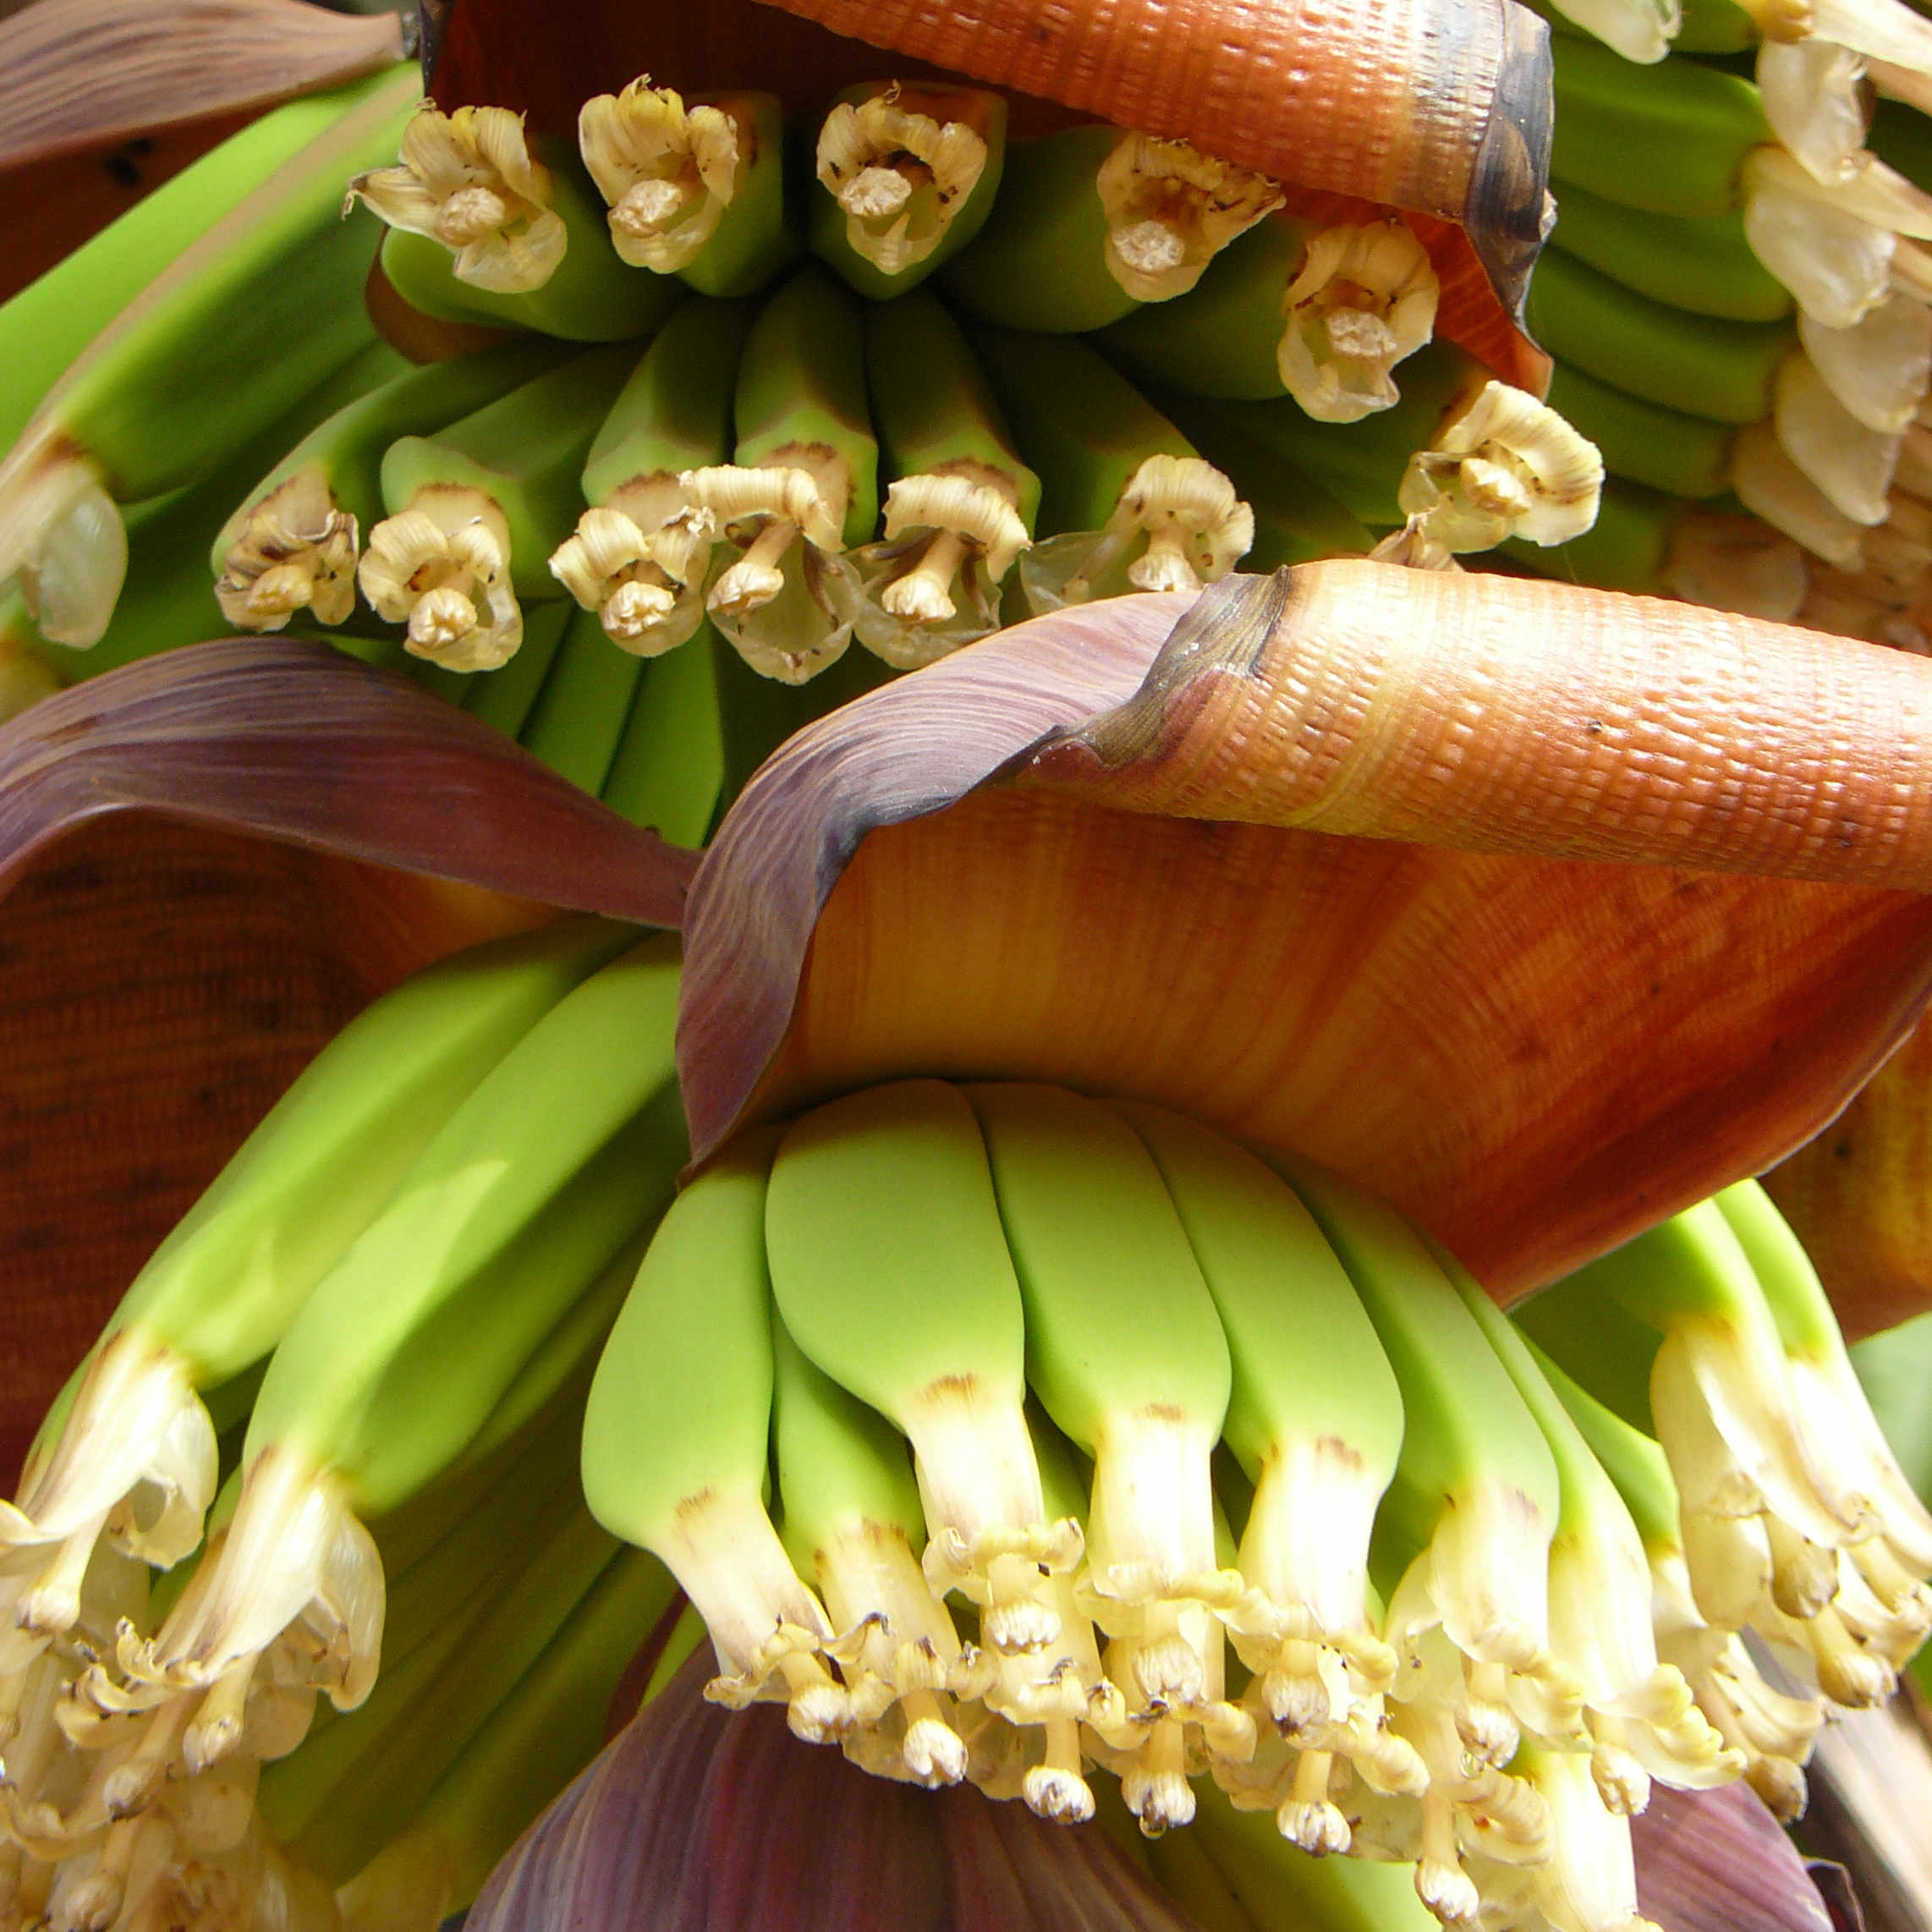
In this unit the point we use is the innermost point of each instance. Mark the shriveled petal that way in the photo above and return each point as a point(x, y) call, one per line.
point(1403, 1003)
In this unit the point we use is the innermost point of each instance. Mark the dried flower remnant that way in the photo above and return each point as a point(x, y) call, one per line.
point(468, 179)
point(1363, 299)
point(667, 171)
point(1171, 209)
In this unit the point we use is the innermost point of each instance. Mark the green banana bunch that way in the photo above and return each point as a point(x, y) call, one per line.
point(697, 189)
point(222, 1291)
point(960, 506)
point(1125, 503)
point(474, 511)
point(638, 554)
point(292, 543)
point(1092, 222)
point(402, 1353)
point(909, 174)
point(256, 311)
point(486, 226)
point(802, 484)
point(1322, 314)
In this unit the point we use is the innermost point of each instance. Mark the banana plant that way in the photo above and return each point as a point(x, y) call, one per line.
point(1460, 919)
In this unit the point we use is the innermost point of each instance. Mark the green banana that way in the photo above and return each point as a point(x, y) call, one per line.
point(678, 1463)
point(668, 769)
point(1092, 222)
point(1703, 366)
point(1315, 1422)
point(1644, 443)
point(1225, 339)
point(1126, 1352)
point(852, 1523)
point(1470, 1517)
point(400, 1356)
point(1126, 502)
point(579, 717)
point(639, 553)
point(1324, 314)
point(1699, 262)
point(801, 486)
point(697, 190)
point(255, 313)
point(960, 505)
point(474, 511)
point(51, 321)
point(908, 175)
point(487, 226)
point(224, 1286)
point(505, 697)
point(891, 1270)
point(292, 542)
point(536, 1739)
point(1670, 139)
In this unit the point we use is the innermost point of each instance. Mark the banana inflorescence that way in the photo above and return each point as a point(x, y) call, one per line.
point(969, 1421)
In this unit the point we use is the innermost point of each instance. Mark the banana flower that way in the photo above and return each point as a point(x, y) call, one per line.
point(1540, 912)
